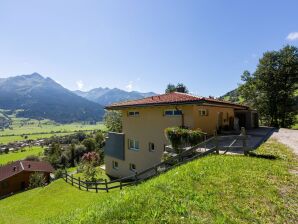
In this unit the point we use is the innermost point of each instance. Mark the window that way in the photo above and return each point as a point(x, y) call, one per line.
point(203, 112)
point(132, 167)
point(133, 144)
point(151, 146)
point(133, 113)
point(115, 165)
point(172, 112)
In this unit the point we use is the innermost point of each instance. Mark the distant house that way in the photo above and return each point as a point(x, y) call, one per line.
point(14, 177)
point(142, 142)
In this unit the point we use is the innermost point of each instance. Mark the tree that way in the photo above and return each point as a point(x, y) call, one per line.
point(113, 121)
point(180, 87)
point(36, 179)
point(90, 160)
point(90, 144)
point(271, 89)
point(170, 88)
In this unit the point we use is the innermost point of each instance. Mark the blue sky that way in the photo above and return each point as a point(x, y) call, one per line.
point(143, 45)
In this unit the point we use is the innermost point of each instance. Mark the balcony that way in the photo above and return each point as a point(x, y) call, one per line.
point(114, 146)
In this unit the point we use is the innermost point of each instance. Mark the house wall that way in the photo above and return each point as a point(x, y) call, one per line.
point(149, 126)
point(14, 182)
point(209, 124)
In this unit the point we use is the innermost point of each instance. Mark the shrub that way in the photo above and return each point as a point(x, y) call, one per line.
point(32, 158)
point(182, 137)
point(37, 179)
point(59, 173)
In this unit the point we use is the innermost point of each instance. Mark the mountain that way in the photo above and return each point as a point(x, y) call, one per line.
point(39, 97)
point(106, 96)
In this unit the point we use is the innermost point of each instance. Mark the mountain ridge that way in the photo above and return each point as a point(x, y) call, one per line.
point(106, 96)
point(30, 93)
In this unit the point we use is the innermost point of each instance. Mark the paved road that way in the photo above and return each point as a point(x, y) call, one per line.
point(288, 137)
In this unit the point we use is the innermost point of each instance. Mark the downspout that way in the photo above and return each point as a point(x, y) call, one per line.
point(182, 117)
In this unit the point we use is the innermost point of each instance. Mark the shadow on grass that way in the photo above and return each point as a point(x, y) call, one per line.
point(263, 156)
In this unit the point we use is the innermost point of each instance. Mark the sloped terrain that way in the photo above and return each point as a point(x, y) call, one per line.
point(214, 189)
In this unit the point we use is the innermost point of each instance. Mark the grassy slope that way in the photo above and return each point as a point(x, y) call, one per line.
point(13, 156)
point(39, 204)
point(214, 189)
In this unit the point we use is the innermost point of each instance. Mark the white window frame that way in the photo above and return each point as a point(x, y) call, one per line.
point(131, 169)
point(150, 148)
point(133, 113)
point(172, 112)
point(132, 144)
point(203, 112)
point(116, 167)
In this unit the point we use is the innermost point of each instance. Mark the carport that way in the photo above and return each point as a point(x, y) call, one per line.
point(248, 119)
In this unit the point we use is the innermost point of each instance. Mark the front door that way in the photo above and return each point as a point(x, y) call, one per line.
point(23, 185)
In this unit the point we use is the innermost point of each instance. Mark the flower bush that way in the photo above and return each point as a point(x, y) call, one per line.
point(183, 137)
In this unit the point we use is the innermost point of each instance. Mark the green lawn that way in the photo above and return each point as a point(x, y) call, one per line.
point(214, 189)
point(14, 156)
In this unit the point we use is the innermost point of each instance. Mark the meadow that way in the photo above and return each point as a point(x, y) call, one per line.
point(21, 154)
point(23, 128)
point(214, 189)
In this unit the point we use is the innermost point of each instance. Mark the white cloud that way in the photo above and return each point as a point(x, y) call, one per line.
point(80, 84)
point(292, 36)
point(129, 86)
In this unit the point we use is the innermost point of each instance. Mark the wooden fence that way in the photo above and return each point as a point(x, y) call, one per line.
point(211, 145)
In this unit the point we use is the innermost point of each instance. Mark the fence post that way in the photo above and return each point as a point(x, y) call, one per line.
point(244, 141)
point(107, 189)
point(216, 142)
point(80, 183)
point(66, 176)
point(120, 184)
point(87, 185)
point(72, 179)
point(96, 185)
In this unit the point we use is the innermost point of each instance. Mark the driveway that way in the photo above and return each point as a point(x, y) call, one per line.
point(288, 137)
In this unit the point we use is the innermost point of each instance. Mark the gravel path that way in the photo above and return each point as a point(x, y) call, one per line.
point(288, 137)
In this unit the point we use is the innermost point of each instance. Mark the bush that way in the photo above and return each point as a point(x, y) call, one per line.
point(37, 179)
point(182, 137)
point(32, 158)
point(59, 173)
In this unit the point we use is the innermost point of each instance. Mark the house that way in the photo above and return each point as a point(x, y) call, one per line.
point(142, 143)
point(14, 177)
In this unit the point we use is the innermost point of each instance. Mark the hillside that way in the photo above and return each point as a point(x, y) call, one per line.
point(214, 189)
point(106, 96)
point(232, 96)
point(4, 120)
point(38, 97)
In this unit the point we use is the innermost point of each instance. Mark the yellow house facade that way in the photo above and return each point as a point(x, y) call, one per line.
point(142, 141)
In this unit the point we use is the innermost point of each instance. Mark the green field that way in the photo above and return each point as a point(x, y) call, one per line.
point(214, 189)
point(35, 129)
point(14, 156)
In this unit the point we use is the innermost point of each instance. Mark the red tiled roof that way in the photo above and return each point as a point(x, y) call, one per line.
point(14, 168)
point(170, 98)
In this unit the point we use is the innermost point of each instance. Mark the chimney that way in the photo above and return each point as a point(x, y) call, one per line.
point(14, 168)
point(29, 165)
